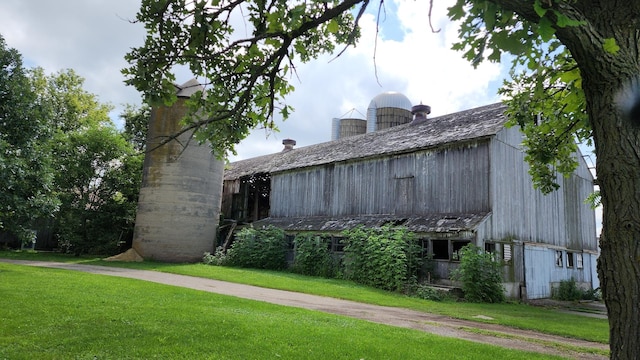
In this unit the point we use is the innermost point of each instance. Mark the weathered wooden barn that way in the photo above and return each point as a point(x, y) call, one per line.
point(452, 180)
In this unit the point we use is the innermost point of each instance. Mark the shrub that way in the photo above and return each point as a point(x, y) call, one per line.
point(259, 248)
point(313, 256)
point(481, 275)
point(385, 258)
point(568, 290)
point(426, 292)
point(219, 258)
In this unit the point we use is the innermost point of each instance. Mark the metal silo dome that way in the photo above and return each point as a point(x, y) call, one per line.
point(391, 99)
point(388, 109)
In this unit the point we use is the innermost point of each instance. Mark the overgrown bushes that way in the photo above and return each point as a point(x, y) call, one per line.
point(386, 258)
point(256, 248)
point(313, 256)
point(481, 275)
point(568, 290)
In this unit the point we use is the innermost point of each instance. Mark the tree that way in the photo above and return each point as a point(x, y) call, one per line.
point(136, 124)
point(25, 176)
point(481, 275)
point(97, 170)
point(580, 61)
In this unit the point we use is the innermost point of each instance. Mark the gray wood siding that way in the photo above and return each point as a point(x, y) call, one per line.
point(521, 212)
point(452, 180)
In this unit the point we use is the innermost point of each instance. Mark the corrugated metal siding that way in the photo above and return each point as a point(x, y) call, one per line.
point(542, 273)
point(539, 263)
point(450, 180)
point(519, 211)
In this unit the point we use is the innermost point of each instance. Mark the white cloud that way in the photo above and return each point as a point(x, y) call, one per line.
point(89, 36)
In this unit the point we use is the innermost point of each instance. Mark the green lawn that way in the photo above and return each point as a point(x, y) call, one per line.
point(58, 314)
point(510, 314)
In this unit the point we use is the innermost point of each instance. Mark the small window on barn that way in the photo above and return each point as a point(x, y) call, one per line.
point(337, 244)
point(559, 258)
point(290, 241)
point(569, 259)
point(506, 252)
point(440, 249)
point(490, 248)
point(457, 246)
point(579, 264)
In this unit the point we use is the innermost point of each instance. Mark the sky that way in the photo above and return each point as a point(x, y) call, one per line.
point(92, 36)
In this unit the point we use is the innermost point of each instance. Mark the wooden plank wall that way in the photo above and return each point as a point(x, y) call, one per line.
point(452, 180)
point(560, 218)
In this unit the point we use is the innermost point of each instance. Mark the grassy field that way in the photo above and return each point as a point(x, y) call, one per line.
point(510, 314)
point(58, 314)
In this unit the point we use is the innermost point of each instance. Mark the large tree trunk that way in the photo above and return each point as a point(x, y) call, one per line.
point(617, 143)
point(618, 172)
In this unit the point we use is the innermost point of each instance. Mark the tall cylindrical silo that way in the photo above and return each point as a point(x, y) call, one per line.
point(179, 203)
point(387, 110)
point(352, 127)
point(335, 129)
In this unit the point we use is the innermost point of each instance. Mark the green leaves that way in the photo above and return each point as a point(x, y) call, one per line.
point(333, 26)
point(539, 9)
point(545, 96)
point(481, 275)
point(386, 258)
point(611, 46)
point(548, 104)
point(259, 249)
point(245, 68)
point(25, 162)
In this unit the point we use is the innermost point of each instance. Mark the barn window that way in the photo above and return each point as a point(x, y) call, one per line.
point(290, 241)
point(457, 246)
point(579, 264)
point(490, 248)
point(337, 244)
point(569, 259)
point(506, 252)
point(440, 249)
point(559, 258)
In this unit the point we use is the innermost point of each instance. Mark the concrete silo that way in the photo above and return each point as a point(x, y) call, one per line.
point(179, 203)
point(387, 110)
point(352, 127)
point(348, 126)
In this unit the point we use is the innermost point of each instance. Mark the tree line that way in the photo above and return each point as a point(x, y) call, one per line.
point(65, 167)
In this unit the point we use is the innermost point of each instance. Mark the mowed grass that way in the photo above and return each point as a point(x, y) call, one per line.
point(59, 314)
point(515, 315)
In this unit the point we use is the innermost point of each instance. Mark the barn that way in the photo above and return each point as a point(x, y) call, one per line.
point(453, 180)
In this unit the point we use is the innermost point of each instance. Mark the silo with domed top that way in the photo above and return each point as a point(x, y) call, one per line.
point(387, 110)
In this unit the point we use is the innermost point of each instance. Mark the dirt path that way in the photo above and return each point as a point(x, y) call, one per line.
point(432, 323)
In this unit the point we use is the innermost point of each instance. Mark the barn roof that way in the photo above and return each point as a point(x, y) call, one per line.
point(465, 125)
point(430, 223)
